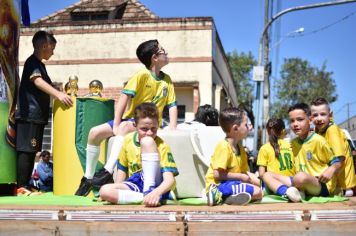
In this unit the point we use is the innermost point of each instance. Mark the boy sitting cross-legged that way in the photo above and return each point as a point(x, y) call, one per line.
point(315, 161)
point(227, 180)
point(147, 162)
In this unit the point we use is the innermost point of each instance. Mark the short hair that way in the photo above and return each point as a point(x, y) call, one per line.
point(207, 115)
point(300, 106)
point(320, 101)
point(45, 153)
point(146, 50)
point(230, 116)
point(145, 110)
point(41, 37)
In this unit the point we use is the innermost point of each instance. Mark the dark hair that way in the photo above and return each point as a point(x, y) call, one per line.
point(320, 101)
point(230, 116)
point(146, 50)
point(41, 37)
point(207, 115)
point(145, 110)
point(300, 106)
point(275, 128)
point(45, 153)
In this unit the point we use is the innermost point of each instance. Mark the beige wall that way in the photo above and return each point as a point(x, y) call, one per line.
point(185, 96)
point(108, 53)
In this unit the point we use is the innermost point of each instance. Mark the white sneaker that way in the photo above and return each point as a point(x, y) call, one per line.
point(293, 194)
point(348, 193)
point(238, 199)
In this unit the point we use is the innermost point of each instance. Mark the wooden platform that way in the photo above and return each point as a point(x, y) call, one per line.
point(257, 219)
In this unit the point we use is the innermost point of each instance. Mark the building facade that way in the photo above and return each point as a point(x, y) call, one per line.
point(350, 125)
point(97, 39)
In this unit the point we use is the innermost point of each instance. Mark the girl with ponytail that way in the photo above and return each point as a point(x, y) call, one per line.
point(276, 162)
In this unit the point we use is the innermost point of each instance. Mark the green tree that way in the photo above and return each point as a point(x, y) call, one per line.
point(241, 65)
point(301, 82)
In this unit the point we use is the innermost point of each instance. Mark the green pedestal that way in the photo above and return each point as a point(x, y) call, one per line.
point(7, 153)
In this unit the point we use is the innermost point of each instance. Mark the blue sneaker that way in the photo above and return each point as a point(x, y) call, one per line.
point(214, 196)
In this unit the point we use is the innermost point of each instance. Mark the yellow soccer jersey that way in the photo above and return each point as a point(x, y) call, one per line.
point(144, 87)
point(338, 142)
point(130, 156)
point(284, 165)
point(225, 158)
point(313, 156)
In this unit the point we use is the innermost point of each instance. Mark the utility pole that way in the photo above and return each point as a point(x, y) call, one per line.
point(264, 49)
point(348, 117)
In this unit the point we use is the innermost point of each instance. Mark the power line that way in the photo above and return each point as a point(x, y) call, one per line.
point(345, 105)
point(324, 27)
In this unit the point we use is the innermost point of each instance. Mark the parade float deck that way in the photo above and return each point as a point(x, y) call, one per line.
point(332, 218)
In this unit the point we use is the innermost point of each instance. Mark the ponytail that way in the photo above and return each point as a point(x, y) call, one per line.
point(275, 128)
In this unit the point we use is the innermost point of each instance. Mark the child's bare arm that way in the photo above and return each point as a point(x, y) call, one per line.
point(330, 172)
point(261, 171)
point(152, 199)
point(120, 176)
point(173, 114)
point(47, 88)
point(221, 174)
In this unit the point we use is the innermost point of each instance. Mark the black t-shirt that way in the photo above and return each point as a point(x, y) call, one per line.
point(33, 103)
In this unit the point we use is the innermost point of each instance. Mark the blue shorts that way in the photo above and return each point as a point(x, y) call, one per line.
point(232, 187)
point(111, 122)
point(324, 192)
point(135, 183)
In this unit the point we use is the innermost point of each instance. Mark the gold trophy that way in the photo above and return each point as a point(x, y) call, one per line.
point(71, 87)
point(95, 88)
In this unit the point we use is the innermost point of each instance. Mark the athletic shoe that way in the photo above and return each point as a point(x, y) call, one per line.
point(102, 177)
point(242, 198)
point(85, 187)
point(26, 192)
point(293, 194)
point(348, 193)
point(214, 195)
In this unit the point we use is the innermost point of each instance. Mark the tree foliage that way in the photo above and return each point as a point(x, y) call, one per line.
point(241, 65)
point(301, 82)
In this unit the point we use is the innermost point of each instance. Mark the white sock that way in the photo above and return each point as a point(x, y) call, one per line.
point(348, 193)
point(114, 154)
point(151, 170)
point(129, 196)
point(91, 160)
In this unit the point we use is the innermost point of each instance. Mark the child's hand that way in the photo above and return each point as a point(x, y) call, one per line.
point(326, 175)
point(254, 179)
point(151, 199)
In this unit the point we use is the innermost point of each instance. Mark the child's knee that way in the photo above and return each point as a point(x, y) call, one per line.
point(299, 179)
point(148, 145)
point(105, 191)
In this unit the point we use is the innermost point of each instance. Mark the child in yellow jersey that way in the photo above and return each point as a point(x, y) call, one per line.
point(227, 180)
point(147, 85)
point(315, 161)
point(276, 162)
point(146, 167)
point(322, 119)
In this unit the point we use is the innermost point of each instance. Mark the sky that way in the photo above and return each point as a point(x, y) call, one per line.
point(329, 34)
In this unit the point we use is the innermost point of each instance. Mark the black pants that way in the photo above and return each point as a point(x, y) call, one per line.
point(25, 163)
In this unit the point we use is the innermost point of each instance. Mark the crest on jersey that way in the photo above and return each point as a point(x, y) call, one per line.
point(309, 155)
point(165, 92)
